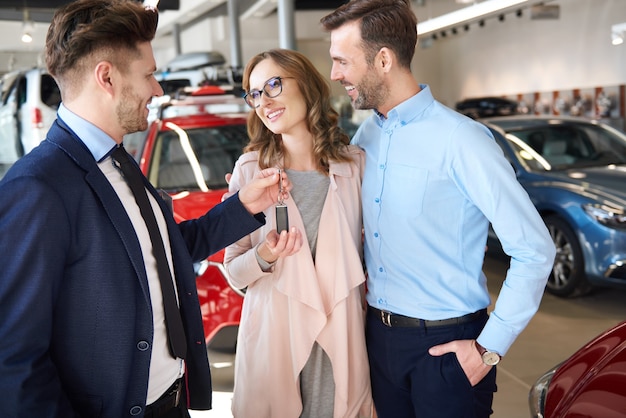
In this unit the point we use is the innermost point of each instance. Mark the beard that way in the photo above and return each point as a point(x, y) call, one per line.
point(372, 92)
point(131, 112)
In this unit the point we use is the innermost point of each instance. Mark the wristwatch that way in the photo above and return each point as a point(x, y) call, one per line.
point(490, 358)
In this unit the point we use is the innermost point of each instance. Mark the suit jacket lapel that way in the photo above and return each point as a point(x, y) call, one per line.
point(67, 141)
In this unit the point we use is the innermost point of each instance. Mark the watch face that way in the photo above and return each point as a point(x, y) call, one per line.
point(490, 358)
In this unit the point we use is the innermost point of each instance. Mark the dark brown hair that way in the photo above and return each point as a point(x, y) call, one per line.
point(384, 23)
point(322, 120)
point(105, 29)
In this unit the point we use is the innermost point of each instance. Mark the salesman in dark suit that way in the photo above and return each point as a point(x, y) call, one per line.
point(82, 294)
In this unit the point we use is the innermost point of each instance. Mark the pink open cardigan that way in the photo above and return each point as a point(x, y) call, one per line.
point(299, 302)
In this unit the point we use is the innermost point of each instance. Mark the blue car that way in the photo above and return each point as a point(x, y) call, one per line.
point(574, 171)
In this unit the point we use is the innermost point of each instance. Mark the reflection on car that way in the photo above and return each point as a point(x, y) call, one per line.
point(191, 143)
point(590, 383)
point(574, 171)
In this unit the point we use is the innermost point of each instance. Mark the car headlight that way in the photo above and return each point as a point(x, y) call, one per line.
point(606, 215)
point(538, 393)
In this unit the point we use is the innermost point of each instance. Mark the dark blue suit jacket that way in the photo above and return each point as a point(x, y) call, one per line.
point(75, 312)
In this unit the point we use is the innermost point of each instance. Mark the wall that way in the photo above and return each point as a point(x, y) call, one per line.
point(521, 55)
point(518, 55)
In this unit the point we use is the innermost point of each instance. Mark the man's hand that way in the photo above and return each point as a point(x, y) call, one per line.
point(262, 191)
point(468, 357)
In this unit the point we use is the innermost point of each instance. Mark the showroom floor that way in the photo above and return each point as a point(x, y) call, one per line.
point(560, 327)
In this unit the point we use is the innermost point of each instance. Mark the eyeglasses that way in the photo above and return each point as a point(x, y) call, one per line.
point(272, 88)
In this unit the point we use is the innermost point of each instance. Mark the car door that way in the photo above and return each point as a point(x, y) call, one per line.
point(10, 146)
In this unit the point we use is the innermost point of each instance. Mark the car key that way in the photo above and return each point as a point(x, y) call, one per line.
point(282, 220)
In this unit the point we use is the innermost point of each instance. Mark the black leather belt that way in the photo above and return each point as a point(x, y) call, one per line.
point(394, 320)
point(168, 401)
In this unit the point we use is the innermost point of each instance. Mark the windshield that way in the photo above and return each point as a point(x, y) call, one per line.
point(196, 158)
point(564, 146)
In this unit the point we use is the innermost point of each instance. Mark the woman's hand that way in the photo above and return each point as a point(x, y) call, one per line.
point(280, 245)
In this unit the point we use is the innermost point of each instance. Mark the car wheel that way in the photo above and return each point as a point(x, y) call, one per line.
point(567, 278)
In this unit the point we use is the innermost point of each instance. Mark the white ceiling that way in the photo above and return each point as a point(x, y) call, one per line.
point(13, 52)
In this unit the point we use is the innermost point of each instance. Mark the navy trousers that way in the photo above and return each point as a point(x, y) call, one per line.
point(407, 382)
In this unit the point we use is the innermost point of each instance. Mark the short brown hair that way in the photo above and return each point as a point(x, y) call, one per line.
point(384, 23)
point(112, 28)
point(322, 119)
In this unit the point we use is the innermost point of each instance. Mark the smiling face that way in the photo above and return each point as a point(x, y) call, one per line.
point(350, 67)
point(137, 90)
point(286, 113)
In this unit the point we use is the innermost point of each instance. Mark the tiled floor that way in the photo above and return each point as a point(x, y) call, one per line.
point(560, 327)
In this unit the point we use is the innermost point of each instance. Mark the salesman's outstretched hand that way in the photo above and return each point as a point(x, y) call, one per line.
point(262, 191)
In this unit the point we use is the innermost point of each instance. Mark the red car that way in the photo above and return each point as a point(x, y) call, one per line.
point(591, 383)
point(191, 144)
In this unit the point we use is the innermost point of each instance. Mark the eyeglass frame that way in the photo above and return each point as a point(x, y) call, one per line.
point(255, 104)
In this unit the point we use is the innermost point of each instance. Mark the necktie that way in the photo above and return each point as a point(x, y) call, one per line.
point(173, 321)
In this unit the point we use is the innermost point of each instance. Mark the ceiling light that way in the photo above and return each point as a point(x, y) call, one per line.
point(467, 14)
point(617, 33)
point(28, 27)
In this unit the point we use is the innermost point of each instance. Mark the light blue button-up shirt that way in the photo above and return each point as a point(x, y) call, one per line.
point(434, 180)
point(94, 138)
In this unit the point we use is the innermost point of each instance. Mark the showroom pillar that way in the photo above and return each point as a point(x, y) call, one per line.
point(286, 19)
point(235, 34)
point(176, 36)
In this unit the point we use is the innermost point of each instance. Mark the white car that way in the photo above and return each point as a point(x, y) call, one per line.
point(28, 107)
point(195, 69)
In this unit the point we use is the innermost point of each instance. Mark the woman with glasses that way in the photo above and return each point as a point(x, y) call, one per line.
point(301, 346)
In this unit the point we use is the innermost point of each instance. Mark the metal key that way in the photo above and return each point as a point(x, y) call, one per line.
point(282, 220)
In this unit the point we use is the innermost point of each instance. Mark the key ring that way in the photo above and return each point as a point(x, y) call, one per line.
point(282, 218)
point(281, 190)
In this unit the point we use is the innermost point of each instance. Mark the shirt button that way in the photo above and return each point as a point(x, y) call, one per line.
point(143, 345)
point(382, 166)
point(377, 200)
point(375, 234)
point(380, 269)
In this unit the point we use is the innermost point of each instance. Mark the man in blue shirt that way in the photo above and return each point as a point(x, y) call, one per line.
point(434, 180)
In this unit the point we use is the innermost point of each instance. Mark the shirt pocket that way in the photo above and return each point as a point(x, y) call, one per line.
point(405, 189)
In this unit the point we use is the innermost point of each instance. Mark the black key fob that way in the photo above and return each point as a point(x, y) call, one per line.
point(282, 220)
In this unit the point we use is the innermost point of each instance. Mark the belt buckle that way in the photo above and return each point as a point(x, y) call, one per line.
point(385, 317)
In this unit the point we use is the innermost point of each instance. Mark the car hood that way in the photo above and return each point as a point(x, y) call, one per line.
point(607, 183)
point(193, 204)
point(596, 371)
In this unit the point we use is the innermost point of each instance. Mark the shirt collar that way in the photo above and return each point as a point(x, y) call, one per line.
point(99, 143)
point(408, 109)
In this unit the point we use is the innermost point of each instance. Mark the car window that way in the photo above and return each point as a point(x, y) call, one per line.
point(21, 91)
point(566, 146)
point(50, 94)
point(172, 86)
point(134, 143)
point(196, 158)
